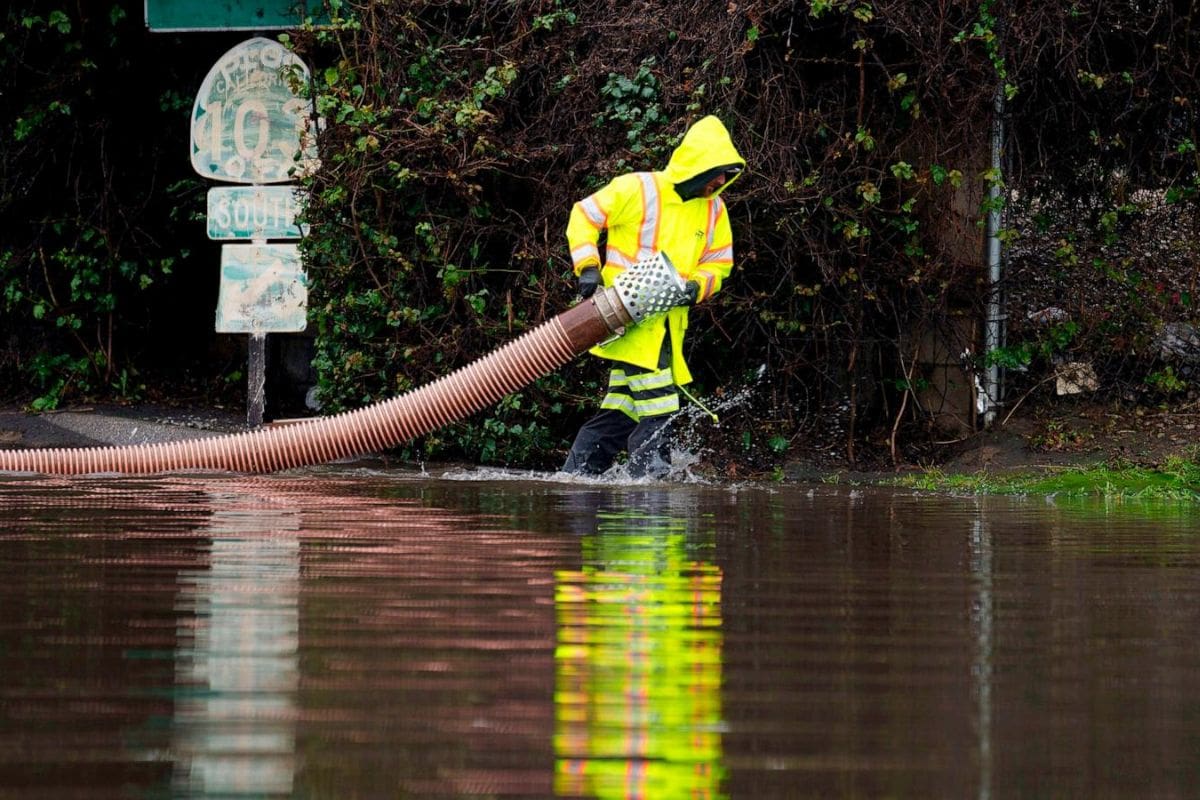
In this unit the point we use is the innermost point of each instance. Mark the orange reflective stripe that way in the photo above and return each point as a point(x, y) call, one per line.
point(706, 288)
point(584, 253)
point(592, 211)
point(616, 258)
point(715, 207)
point(722, 256)
point(651, 208)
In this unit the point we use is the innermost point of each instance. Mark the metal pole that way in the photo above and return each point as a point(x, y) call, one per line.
point(256, 386)
point(994, 322)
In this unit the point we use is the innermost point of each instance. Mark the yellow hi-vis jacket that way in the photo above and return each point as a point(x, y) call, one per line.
point(643, 214)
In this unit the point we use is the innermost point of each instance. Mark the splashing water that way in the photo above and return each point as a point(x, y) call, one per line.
point(687, 430)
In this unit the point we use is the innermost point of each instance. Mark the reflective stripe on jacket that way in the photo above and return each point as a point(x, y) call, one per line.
point(643, 214)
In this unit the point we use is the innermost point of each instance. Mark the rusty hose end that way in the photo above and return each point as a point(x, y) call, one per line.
point(593, 320)
point(612, 310)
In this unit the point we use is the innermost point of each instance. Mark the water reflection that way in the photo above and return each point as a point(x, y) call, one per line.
point(982, 617)
point(355, 635)
point(638, 663)
point(237, 668)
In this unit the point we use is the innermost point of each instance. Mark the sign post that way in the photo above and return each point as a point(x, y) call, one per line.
point(250, 128)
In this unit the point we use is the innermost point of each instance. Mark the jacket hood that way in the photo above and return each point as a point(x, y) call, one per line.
point(706, 146)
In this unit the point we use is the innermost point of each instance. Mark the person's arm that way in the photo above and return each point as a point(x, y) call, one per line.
point(587, 220)
point(593, 214)
point(716, 261)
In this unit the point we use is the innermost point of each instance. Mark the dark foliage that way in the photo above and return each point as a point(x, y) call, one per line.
point(100, 278)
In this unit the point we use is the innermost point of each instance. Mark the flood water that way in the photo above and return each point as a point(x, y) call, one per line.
point(354, 634)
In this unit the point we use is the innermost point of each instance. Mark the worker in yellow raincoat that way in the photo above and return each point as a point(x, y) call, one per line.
point(678, 211)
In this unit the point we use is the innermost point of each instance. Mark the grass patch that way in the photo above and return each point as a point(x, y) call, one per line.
point(1176, 479)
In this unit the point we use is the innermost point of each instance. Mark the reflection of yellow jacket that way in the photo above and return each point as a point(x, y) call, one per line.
point(643, 214)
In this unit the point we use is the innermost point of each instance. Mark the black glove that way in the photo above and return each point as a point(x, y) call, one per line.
point(693, 289)
point(589, 279)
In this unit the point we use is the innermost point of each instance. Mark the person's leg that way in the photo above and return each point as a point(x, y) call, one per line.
point(655, 400)
point(598, 442)
point(605, 435)
point(650, 448)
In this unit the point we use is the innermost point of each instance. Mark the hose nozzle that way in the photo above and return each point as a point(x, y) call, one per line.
point(651, 286)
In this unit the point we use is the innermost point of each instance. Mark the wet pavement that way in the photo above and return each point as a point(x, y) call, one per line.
point(104, 425)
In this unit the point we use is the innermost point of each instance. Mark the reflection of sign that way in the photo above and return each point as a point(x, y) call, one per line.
point(254, 212)
point(247, 125)
point(263, 289)
point(229, 15)
point(237, 737)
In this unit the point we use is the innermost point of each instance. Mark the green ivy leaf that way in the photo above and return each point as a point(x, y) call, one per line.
point(60, 22)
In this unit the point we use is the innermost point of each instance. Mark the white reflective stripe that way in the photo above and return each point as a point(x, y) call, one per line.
point(615, 258)
point(585, 251)
point(619, 402)
point(725, 254)
point(617, 378)
point(709, 280)
point(651, 380)
point(591, 209)
point(648, 234)
point(715, 207)
point(657, 406)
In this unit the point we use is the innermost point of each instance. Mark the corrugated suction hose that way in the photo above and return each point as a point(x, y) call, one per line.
point(391, 422)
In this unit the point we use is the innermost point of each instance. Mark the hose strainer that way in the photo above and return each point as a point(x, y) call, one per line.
point(651, 286)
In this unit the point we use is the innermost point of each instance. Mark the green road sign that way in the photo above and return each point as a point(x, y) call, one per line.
point(247, 124)
point(254, 212)
point(263, 289)
point(231, 15)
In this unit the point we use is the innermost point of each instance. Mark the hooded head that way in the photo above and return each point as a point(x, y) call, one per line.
point(705, 153)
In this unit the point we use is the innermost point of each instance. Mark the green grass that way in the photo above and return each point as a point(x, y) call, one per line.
point(1176, 479)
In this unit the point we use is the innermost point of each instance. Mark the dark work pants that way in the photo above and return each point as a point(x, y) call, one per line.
point(602, 438)
point(605, 435)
